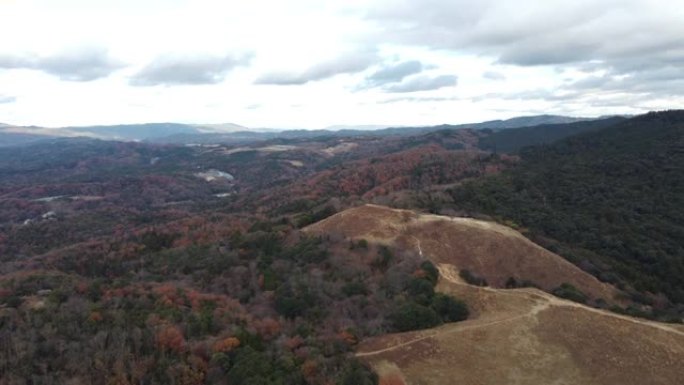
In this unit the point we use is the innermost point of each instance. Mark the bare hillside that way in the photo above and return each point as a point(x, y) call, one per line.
point(489, 250)
point(514, 336)
point(525, 336)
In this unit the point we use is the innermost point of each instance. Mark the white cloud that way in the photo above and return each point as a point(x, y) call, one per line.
point(423, 83)
point(188, 69)
point(348, 63)
point(82, 64)
point(394, 72)
point(493, 75)
point(7, 99)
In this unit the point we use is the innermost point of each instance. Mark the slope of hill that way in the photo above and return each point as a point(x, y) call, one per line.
point(512, 140)
point(136, 131)
point(121, 132)
point(125, 132)
point(120, 265)
point(514, 333)
point(369, 169)
point(221, 127)
point(613, 199)
point(527, 121)
point(526, 336)
point(517, 122)
point(8, 139)
point(490, 251)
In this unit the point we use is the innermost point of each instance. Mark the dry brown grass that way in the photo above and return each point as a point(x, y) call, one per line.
point(526, 336)
point(518, 336)
point(489, 250)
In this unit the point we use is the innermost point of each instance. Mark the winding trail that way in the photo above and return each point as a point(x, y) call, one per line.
point(536, 309)
point(542, 301)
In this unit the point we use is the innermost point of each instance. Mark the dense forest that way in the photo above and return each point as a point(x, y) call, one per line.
point(122, 264)
point(610, 201)
point(264, 306)
point(512, 141)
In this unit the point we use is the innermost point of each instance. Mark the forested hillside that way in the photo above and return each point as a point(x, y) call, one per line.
point(127, 263)
point(613, 199)
point(510, 141)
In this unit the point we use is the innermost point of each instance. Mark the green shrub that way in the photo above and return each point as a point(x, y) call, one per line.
point(568, 291)
point(354, 288)
point(472, 278)
point(449, 309)
point(413, 316)
point(383, 259)
point(357, 374)
point(361, 244)
point(431, 271)
point(13, 301)
point(251, 367)
point(420, 290)
point(512, 283)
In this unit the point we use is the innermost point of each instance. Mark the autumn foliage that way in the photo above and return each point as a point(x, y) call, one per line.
point(226, 345)
point(119, 269)
point(170, 338)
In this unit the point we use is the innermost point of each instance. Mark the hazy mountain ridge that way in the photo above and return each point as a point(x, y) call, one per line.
point(233, 133)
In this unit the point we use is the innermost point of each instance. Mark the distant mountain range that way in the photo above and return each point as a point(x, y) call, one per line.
point(180, 133)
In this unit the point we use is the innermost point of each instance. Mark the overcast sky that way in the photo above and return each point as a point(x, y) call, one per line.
point(314, 63)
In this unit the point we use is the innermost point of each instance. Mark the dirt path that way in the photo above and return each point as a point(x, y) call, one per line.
point(448, 273)
point(555, 301)
point(541, 300)
point(452, 330)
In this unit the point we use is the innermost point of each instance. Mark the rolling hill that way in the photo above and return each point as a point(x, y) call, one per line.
point(512, 140)
point(526, 336)
point(486, 249)
point(523, 335)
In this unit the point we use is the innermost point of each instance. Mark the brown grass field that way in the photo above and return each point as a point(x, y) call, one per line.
point(514, 336)
point(487, 249)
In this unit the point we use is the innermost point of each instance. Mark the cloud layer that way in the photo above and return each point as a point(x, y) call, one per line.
point(634, 38)
point(344, 64)
point(424, 83)
point(80, 65)
point(188, 70)
point(394, 72)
